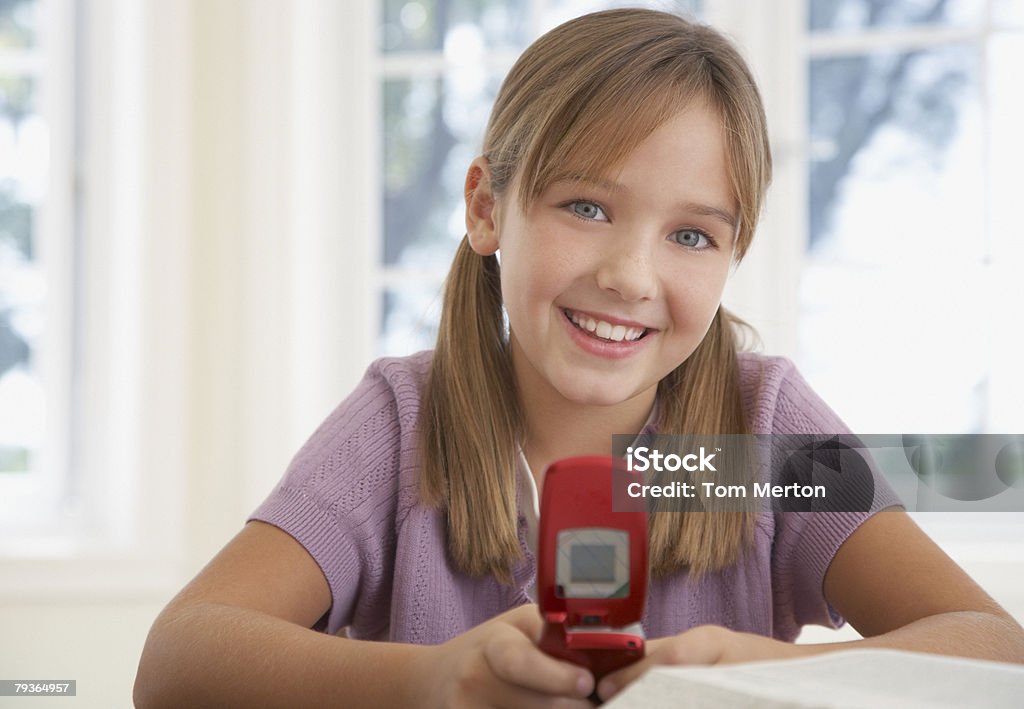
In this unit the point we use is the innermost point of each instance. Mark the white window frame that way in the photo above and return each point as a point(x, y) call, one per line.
point(122, 532)
point(776, 43)
point(764, 289)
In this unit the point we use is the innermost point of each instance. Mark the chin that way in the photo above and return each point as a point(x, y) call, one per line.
point(596, 394)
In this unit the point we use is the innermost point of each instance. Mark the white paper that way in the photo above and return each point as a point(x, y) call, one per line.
point(838, 680)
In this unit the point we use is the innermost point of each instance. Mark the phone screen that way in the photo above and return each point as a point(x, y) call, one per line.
point(593, 562)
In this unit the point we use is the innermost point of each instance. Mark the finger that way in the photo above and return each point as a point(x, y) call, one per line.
point(664, 651)
point(515, 659)
point(697, 646)
point(611, 684)
point(512, 697)
point(526, 619)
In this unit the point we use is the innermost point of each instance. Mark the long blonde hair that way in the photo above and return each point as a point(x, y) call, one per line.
point(576, 103)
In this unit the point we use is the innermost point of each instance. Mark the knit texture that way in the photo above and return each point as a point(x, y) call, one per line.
point(351, 498)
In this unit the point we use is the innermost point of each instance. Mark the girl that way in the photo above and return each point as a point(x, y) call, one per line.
point(623, 170)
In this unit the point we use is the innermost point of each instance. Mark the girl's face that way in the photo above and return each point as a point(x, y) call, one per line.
point(610, 286)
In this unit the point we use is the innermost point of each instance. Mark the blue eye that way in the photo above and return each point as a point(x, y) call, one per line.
point(692, 238)
point(587, 210)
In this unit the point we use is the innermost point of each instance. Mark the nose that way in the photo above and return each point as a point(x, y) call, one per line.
point(628, 269)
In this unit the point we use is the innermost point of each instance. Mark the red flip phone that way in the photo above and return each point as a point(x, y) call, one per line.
point(591, 567)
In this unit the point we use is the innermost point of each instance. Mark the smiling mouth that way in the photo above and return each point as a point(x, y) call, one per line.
point(601, 330)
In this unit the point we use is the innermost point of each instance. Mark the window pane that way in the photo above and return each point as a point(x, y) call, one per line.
point(1006, 57)
point(853, 15)
point(409, 318)
point(417, 25)
point(907, 122)
point(1006, 95)
point(897, 216)
point(17, 98)
point(433, 129)
point(23, 161)
point(1008, 13)
point(17, 24)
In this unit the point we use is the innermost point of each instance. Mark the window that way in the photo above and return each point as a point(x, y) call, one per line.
point(97, 504)
point(909, 294)
point(914, 148)
point(36, 260)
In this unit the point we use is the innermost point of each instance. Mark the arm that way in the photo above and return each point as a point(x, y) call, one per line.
point(238, 635)
point(904, 594)
point(909, 595)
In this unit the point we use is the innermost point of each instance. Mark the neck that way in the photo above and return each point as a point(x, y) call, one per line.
point(556, 427)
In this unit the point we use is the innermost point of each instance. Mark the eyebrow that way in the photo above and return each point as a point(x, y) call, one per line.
point(705, 210)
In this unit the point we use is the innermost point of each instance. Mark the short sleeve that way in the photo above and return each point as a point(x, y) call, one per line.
point(339, 500)
point(804, 543)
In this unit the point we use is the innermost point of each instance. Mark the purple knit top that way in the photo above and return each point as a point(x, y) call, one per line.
point(351, 498)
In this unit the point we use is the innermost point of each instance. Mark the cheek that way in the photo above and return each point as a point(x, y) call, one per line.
point(537, 265)
point(696, 297)
point(526, 288)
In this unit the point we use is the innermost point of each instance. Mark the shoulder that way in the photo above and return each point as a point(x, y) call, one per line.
point(777, 399)
point(386, 401)
point(403, 376)
point(351, 486)
point(366, 450)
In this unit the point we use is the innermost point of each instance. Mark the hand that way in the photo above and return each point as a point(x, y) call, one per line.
point(703, 645)
point(498, 664)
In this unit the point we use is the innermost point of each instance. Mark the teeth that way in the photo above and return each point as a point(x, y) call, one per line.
point(604, 330)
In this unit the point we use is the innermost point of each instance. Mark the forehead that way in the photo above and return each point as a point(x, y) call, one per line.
point(595, 148)
point(693, 136)
point(683, 161)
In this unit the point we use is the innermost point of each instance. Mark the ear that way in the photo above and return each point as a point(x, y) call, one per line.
point(481, 214)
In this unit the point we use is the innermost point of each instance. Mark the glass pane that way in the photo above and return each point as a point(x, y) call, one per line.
point(1006, 114)
point(1008, 13)
point(23, 161)
point(22, 289)
point(409, 319)
point(1006, 57)
point(896, 278)
point(891, 130)
point(558, 11)
point(17, 98)
point(433, 128)
point(418, 25)
point(18, 24)
point(852, 15)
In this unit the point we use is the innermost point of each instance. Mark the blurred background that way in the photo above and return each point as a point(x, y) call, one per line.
point(215, 213)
